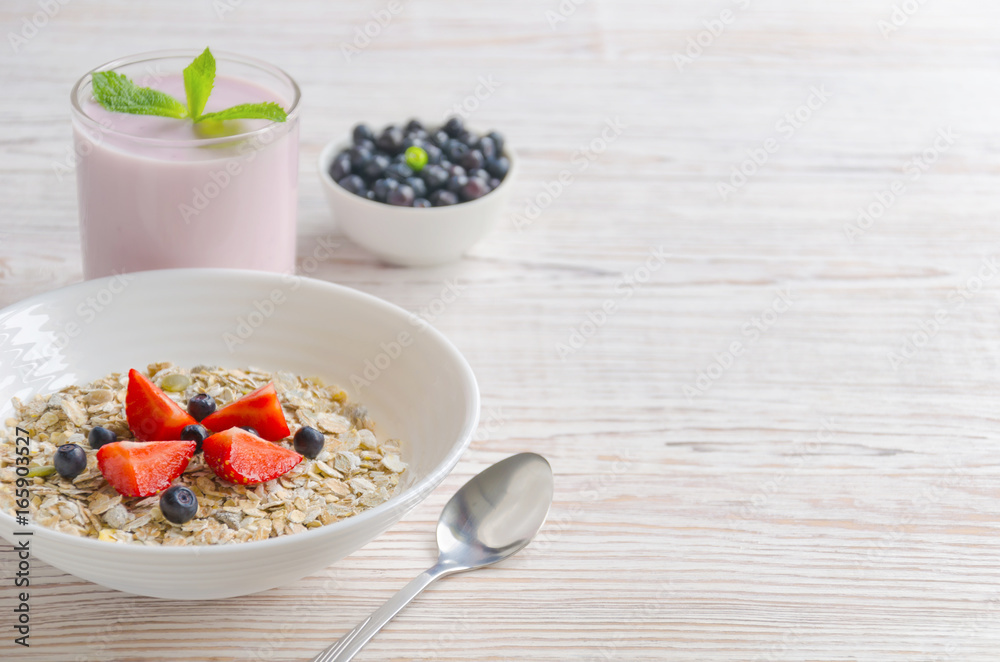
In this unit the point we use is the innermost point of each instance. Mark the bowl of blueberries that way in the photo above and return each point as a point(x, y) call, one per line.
point(417, 194)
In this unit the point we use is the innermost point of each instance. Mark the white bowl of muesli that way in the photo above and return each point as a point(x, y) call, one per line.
point(333, 413)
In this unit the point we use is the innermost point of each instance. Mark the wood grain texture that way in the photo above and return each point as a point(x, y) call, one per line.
point(828, 493)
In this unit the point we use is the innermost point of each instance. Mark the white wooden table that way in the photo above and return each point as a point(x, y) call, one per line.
point(782, 442)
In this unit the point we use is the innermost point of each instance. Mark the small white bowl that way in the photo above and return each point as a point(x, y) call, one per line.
point(420, 391)
point(409, 236)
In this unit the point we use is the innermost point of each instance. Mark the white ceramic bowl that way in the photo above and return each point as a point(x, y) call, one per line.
point(425, 395)
point(408, 236)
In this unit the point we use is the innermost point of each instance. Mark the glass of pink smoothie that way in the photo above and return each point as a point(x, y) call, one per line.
point(158, 192)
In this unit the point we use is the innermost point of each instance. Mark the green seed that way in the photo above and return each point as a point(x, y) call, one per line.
point(175, 383)
point(41, 472)
point(416, 158)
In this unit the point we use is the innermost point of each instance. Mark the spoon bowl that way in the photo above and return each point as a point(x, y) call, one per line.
point(492, 517)
point(497, 513)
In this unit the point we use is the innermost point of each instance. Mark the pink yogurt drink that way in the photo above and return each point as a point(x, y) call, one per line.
point(158, 192)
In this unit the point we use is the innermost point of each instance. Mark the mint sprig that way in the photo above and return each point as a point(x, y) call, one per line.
point(118, 94)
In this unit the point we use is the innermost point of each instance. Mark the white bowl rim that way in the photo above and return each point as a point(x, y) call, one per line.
point(412, 496)
point(331, 148)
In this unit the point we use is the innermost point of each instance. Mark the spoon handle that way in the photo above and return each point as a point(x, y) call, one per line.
point(349, 645)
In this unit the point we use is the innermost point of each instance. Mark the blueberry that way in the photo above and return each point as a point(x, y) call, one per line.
point(195, 433)
point(362, 132)
point(474, 189)
point(391, 140)
point(412, 141)
point(178, 504)
point(422, 202)
point(439, 138)
point(468, 138)
point(455, 170)
point(413, 126)
point(455, 150)
point(353, 184)
point(360, 157)
point(370, 194)
point(434, 153)
point(443, 198)
point(399, 171)
point(376, 168)
point(382, 187)
point(201, 405)
point(418, 186)
point(472, 160)
point(70, 460)
point(488, 147)
point(434, 176)
point(251, 430)
point(498, 167)
point(454, 126)
point(456, 182)
point(480, 174)
point(498, 140)
point(401, 196)
point(341, 166)
point(100, 436)
point(494, 182)
point(309, 442)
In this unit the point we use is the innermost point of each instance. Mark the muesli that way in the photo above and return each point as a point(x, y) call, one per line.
point(344, 469)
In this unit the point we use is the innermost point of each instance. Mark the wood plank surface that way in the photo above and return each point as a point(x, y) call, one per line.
point(824, 490)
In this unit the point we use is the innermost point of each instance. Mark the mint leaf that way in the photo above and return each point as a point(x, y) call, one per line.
point(118, 94)
point(248, 111)
point(199, 78)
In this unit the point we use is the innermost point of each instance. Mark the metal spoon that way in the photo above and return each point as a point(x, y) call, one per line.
point(493, 516)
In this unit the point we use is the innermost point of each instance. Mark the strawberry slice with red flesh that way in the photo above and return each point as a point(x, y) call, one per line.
point(152, 415)
point(259, 410)
point(241, 457)
point(141, 469)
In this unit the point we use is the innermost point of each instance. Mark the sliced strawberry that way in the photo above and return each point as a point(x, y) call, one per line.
point(140, 469)
point(259, 410)
point(151, 414)
point(240, 457)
